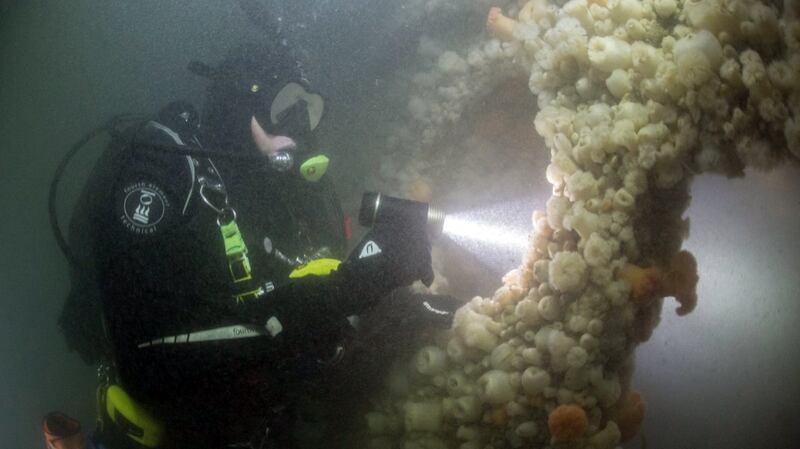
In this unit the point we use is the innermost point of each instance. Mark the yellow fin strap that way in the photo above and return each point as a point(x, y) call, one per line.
point(318, 267)
point(236, 251)
point(132, 418)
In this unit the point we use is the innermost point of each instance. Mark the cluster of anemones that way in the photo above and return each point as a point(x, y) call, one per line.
point(635, 96)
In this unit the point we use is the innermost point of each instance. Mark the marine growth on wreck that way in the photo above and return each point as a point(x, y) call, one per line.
point(635, 98)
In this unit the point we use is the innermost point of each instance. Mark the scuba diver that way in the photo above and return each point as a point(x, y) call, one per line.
point(210, 251)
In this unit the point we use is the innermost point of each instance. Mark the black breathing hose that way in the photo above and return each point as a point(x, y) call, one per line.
point(53, 194)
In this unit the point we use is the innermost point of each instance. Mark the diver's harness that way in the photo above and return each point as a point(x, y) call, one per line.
point(114, 406)
point(213, 193)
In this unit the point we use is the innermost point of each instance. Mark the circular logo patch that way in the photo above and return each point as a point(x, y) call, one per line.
point(144, 207)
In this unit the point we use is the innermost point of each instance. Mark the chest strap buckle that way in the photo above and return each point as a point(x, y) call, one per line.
point(236, 252)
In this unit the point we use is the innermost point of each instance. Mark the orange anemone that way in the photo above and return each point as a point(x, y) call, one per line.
point(678, 280)
point(629, 414)
point(681, 281)
point(420, 190)
point(499, 417)
point(567, 423)
point(645, 283)
point(499, 25)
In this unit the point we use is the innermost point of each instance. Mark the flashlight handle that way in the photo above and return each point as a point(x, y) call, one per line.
point(388, 257)
point(379, 209)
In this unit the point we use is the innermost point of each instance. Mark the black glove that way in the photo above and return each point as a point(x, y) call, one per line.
point(435, 310)
point(389, 257)
point(303, 317)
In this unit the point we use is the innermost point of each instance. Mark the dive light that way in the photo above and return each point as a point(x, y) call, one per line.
point(377, 208)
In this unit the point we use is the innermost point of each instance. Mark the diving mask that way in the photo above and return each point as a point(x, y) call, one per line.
point(294, 104)
point(292, 111)
point(294, 114)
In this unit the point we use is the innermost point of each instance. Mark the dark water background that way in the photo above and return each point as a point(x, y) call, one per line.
point(726, 376)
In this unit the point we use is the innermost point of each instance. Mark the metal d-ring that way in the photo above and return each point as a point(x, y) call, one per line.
point(226, 215)
point(203, 185)
point(104, 374)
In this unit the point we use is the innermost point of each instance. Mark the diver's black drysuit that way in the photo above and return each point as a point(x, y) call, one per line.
point(211, 365)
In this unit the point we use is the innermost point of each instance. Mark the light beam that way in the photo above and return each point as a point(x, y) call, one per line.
point(497, 235)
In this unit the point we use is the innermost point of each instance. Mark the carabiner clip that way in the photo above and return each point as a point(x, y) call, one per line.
point(214, 187)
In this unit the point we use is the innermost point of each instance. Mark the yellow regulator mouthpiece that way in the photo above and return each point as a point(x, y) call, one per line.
point(314, 168)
